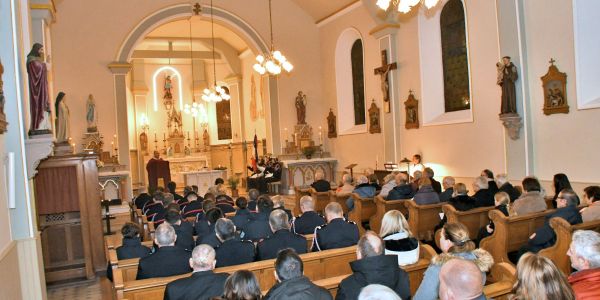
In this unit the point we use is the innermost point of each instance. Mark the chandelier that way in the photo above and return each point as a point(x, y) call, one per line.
point(404, 6)
point(272, 62)
point(216, 93)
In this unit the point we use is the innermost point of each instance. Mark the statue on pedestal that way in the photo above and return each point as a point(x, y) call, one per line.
point(90, 115)
point(331, 125)
point(39, 103)
point(507, 75)
point(301, 108)
point(62, 119)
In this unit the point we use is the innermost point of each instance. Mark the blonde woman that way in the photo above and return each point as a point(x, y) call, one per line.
point(398, 238)
point(454, 243)
point(538, 278)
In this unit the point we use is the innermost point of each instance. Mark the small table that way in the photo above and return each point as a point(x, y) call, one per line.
point(203, 179)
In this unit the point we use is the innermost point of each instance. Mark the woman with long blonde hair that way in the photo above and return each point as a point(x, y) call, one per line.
point(538, 278)
point(398, 239)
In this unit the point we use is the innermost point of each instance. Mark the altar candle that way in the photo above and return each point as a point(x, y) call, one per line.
point(286, 133)
point(112, 147)
point(320, 136)
point(155, 139)
point(164, 135)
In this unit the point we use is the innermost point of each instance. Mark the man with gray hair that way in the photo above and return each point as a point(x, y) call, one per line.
point(309, 219)
point(347, 186)
point(507, 187)
point(482, 195)
point(461, 279)
point(253, 199)
point(448, 184)
point(373, 267)
point(281, 238)
point(168, 260)
point(320, 184)
point(204, 283)
point(231, 251)
point(402, 190)
point(377, 292)
point(585, 258)
point(389, 182)
point(363, 189)
point(337, 233)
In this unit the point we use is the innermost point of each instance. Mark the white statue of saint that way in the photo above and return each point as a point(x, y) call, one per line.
point(62, 119)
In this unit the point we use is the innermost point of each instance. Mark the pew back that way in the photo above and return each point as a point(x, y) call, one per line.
point(341, 199)
point(473, 219)
point(299, 192)
point(422, 219)
point(364, 209)
point(321, 199)
point(382, 206)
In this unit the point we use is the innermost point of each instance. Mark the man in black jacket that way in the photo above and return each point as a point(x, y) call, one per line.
point(402, 190)
point(320, 184)
point(292, 284)
point(373, 267)
point(448, 184)
point(436, 185)
point(258, 227)
point(210, 238)
point(183, 229)
point(309, 219)
point(507, 187)
point(231, 251)
point(204, 283)
point(132, 245)
point(282, 238)
point(168, 260)
point(243, 214)
point(337, 233)
point(482, 195)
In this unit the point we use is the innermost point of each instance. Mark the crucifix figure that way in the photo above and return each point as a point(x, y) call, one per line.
point(385, 83)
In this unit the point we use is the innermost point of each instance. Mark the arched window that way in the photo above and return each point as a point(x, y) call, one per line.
point(223, 111)
point(350, 83)
point(455, 60)
point(358, 82)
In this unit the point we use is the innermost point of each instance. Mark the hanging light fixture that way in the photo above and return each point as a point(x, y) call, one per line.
point(272, 62)
point(405, 6)
point(216, 93)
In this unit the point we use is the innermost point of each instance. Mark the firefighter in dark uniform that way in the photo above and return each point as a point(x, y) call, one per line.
point(337, 233)
point(232, 251)
point(309, 219)
point(281, 238)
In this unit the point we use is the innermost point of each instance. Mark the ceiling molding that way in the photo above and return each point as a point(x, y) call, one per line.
point(340, 12)
point(173, 54)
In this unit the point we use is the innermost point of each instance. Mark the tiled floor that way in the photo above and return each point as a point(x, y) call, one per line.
point(89, 290)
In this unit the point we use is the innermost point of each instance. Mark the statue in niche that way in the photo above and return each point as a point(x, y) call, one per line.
point(331, 125)
point(411, 105)
point(507, 75)
point(168, 88)
point(175, 123)
point(144, 142)
point(374, 126)
point(301, 108)
point(554, 84)
point(62, 119)
point(206, 139)
point(90, 115)
point(39, 102)
point(2, 102)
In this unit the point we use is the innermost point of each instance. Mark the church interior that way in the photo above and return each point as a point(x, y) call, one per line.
point(119, 116)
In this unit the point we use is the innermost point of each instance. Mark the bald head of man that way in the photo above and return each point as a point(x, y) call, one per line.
point(370, 244)
point(203, 258)
point(460, 279)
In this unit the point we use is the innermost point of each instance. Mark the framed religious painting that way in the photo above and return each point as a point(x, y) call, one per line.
point(554, 84)
point(411, 105)
point(3, 123)
point(374, 126)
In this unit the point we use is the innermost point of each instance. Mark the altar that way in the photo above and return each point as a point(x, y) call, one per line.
point(203, 179)
point(301, 172)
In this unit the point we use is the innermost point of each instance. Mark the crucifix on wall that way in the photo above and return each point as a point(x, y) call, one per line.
point(385, 81)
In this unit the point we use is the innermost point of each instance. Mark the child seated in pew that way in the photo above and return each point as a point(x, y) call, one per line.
point(502, 202)
point(398, 239)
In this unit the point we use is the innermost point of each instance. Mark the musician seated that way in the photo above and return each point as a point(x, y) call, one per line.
point(168, 260)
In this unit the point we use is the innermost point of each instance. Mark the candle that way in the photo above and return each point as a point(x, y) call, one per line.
point(320, 136)
point(164, 135)
point(155, 139)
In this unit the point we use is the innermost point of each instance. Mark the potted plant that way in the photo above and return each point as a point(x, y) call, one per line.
point(309, 151)
point(233, 184)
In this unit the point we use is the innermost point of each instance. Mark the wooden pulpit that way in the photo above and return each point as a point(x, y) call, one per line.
point(67, 197)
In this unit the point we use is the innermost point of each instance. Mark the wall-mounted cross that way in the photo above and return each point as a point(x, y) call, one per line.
point(385, 83)
point(197, 9)
point(552, 61)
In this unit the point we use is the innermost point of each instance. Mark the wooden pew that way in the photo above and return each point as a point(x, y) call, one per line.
point(564, 234)
point(415, 271)
point(382, 206)
point(502, 278)
point(511, 233)
point(321, 199)
point(299, 192)
point(317, 265)
point(473, 219)
point(423, 218)
point(341, 199)
point(549, 203)
point(364, 210)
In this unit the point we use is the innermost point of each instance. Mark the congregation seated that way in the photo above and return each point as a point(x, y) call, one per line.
point(461, 279)
point(167, 260)
point(201, 227)
point(258, 227)
point(209, 236)
point(172, 188)
point(183, 229)
point(241, 285)
point(203, 283)
point(281, 238)
point(242, 214)
point(184, 201)
point(161, 211)
point(309, 219)
point(461, 201)
point(320, 184)
point(218, 188)
point(225, 203)
point(154, 206)
point(291, 282)
point(505, 186)
point(417, 175)
point(492, 185)
point(252, 199)
point(436, 185)
point(539, 278)
point(454, 243)
point(389, 182)
point(402, 190)
point(231, 250)
point(337, 233)
point(363, 188)
point(193, 205)
point(482, 195)
point(591, 197)
point(502, 202)
point(279, 203)
point(398, 239)
point(531, 200)
point(448, 185)
point(377, 292)
point(545, 237)
point(374, 181)
point(584, 253)
point(373, 266)
point(346, 187)
point(560, 182)
point(141, 200)
point(426, 194)
point(131, 246)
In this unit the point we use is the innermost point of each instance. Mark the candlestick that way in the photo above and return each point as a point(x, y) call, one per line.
point(164, 135)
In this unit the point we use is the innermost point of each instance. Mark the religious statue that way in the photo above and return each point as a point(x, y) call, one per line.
point(205, 139)
point(507, 75)
point(331, 125)
point(301, 108)
point(385, 83)
point(144, 142)
point(374, 126)
point(39, 103)
point(90, 115)
point(62, 119)
point(167, 88)
point(2, 102)
point(175, 123)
